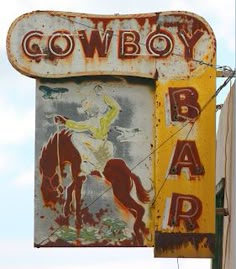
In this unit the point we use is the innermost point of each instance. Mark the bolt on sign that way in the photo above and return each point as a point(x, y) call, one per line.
point(125, 129)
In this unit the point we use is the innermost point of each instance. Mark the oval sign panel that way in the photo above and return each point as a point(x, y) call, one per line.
point(164, 45)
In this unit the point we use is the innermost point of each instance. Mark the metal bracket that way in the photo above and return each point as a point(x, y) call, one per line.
point(225, 73)
point(222, 211)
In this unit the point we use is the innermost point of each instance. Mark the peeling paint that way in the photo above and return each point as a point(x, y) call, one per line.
point(164, 44)
point(170, 242)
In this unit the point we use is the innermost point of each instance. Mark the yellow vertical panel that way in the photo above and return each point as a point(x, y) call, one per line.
point(180, 238)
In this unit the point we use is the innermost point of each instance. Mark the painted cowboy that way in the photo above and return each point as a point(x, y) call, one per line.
point(90, 136)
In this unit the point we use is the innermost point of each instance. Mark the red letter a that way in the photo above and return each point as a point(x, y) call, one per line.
point(186, 156)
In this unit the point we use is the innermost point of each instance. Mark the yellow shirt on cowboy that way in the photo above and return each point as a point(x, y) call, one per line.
point(94, 148)
point(98, 126)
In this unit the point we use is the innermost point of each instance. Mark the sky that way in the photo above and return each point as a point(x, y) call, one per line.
point(17, 121)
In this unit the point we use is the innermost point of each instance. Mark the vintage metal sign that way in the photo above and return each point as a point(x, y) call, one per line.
point(90, 136)
point(156, 45)
point(185, 167)
point(125, 128)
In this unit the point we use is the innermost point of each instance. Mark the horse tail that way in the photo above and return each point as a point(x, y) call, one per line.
point(143, 195)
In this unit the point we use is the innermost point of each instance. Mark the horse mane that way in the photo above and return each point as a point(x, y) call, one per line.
point(63, 134)
point(50, 147)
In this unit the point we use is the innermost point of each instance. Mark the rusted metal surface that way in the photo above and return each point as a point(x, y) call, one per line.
point(185, 167)
point(166, 242)
point(90, 135)
point(163, 45)
point(177, 50)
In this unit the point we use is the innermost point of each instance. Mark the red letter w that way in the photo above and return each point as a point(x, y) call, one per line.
point(101, 44)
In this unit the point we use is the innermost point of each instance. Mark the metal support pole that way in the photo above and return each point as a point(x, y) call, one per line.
point(233, 194)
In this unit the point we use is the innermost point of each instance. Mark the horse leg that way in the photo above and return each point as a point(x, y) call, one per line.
point(119, 175)
point(78, 187)
point(137, 211)
point(68, 202)
point(139, 220)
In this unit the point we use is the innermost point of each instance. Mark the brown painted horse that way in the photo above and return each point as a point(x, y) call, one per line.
point(60, 149)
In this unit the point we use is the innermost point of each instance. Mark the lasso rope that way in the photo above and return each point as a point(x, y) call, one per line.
point(58, 158)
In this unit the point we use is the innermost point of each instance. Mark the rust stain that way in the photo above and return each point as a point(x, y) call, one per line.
point(188, 28)
point(101, 20)
point(60, 243)
point(62, 220)
point(140, 19)
point(172, 241)
point(184, 21)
